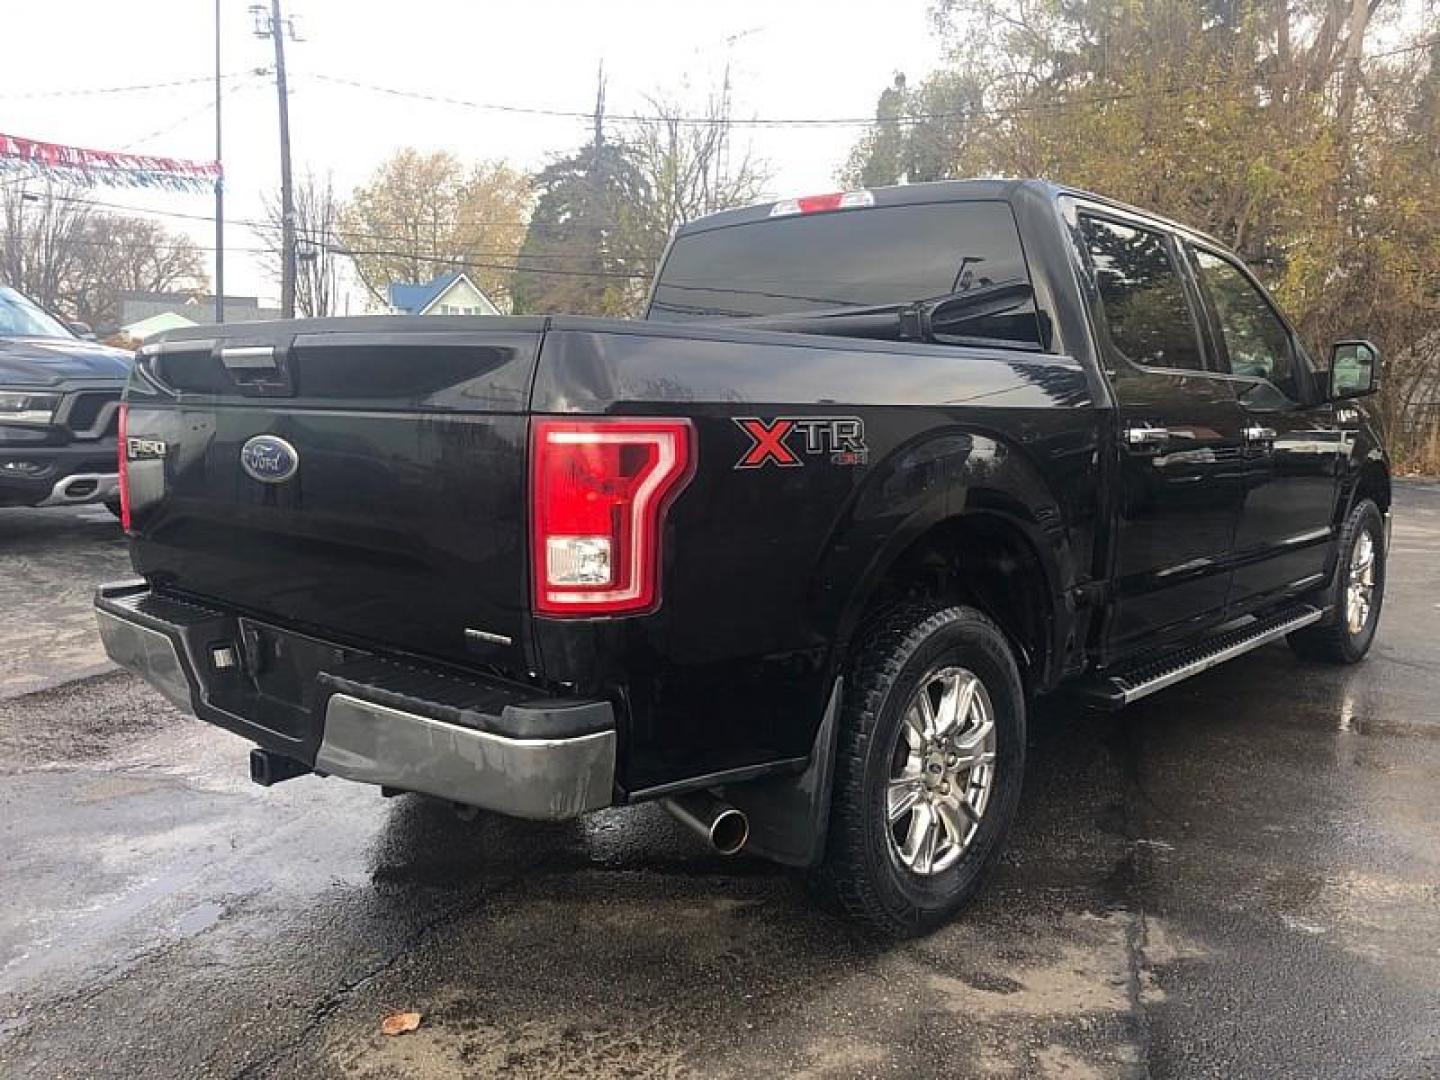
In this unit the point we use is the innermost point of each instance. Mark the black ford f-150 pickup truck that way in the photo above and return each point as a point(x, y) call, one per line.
point(59, 400)
point(792, 554)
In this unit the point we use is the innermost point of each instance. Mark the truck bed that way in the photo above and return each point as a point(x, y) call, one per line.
point(405, 526)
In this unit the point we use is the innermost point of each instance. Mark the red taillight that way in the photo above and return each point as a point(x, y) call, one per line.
point(599, 489)
point(123, 467)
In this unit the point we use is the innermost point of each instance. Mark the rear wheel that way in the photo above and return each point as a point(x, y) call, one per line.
point(931, 752)
point(1356, 596)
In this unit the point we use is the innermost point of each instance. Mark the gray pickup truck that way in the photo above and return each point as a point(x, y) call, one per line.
point(59, 409)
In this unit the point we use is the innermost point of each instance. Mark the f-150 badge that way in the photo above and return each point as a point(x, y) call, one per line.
point(137, 449)
point(782, 440)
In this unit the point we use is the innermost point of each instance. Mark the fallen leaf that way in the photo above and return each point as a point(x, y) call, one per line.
point(399, 1023)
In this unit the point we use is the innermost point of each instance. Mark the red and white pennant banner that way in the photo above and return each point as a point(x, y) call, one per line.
point(78, 165)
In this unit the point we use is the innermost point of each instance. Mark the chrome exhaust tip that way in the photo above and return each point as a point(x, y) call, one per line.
point(719, 824)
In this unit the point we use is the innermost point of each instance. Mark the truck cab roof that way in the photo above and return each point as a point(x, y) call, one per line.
point(1009, 190)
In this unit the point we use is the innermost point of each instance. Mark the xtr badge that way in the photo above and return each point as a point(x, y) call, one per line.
point(782, 440)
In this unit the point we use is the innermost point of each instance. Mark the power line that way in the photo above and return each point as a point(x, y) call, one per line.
point(134, 89)
point(587, 115)
point(525, 265)
point(138, 209)
point(206, 108)
point(469, 264)
point(311, 235)
point(581, 114)
point(89, 242)
point(319, 240)
point(440, 260)
point(259, 224)
point(315, 236)
point(1060, 105)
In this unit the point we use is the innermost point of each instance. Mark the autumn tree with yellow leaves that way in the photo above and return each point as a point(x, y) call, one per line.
point(1303, 133)
point(422, 214)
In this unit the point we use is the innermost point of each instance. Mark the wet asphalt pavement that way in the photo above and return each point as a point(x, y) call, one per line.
point(50, 562)
point(1238, 877)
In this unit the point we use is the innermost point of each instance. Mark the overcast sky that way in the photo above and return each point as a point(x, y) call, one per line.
point(797, 58)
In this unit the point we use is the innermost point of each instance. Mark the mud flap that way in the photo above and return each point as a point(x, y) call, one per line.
point(789, 815)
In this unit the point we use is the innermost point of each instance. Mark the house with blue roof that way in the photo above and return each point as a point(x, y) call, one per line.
point(449, 294)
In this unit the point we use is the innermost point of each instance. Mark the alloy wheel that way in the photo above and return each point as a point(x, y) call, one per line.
point(942, 771)
point(1360, 585)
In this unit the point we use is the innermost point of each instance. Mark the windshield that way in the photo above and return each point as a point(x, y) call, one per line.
point(20, 317)
point(850, 258)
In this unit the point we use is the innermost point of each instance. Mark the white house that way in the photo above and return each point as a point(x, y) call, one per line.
point(448, 294)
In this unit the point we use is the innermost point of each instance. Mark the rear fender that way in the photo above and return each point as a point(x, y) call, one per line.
point(939, 478)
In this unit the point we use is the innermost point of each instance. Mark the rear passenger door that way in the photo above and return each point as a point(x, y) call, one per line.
point(1177, 465)
point(1293, 441)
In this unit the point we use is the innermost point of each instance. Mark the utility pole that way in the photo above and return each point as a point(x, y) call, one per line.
point(273, 26)
point(219, 188)
point(600, 224)
point(599, 109)
point(18, 239)
point(722, 150)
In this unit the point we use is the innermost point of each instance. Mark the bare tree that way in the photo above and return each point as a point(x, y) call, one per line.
point(317, 223)
point(129, 254)
point(690, 161)
point(44, 238)
point(69, 256)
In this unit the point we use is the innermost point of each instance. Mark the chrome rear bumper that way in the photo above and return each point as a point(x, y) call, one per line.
point(529, 778)
point(149, 654)
point(527, 757)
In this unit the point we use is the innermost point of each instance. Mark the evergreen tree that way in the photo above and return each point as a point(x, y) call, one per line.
point(588, 249)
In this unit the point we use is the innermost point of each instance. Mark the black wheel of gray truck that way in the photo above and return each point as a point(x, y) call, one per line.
point(928, 767)
point(1356, 596)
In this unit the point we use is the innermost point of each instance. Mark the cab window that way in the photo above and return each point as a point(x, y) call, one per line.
point(856, 258)
point(1146, 314)
point(1253, 340)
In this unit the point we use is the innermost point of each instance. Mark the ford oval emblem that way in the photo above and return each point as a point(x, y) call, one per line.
point(269, 459)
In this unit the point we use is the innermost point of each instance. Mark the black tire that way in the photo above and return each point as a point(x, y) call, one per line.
point(1334, 641)
point(862, 869)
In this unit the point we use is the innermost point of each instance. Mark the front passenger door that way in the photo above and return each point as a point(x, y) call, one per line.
point(1292, 440)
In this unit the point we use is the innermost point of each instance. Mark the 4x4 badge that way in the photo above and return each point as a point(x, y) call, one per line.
point(783, 439)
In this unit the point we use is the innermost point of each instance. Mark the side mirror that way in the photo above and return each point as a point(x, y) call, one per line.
point(81, 329)
point(1354, 369)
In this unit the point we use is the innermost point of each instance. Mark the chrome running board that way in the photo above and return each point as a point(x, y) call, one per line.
point(1144, 678)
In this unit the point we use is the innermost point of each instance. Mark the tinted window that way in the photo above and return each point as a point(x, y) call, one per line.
point(848, 258)
point(1145, 310)
point(1256, 341)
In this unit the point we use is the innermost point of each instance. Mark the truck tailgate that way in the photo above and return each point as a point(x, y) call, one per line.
point(402, 522)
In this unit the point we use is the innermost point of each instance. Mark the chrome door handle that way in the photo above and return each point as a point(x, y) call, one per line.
point(1259, 434)
point(249, 358)
point(1140, 435)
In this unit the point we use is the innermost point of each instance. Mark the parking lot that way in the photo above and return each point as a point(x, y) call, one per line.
point(1240, 876)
